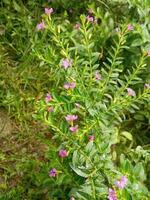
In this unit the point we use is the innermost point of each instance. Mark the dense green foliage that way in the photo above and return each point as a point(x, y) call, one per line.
point(76, 84)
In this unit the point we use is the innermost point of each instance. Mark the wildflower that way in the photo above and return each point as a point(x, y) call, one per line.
point(63, 153)
point(66, 63)
point(112, 194)
point(74, 129)
point(53, 172)
point(91, 138)
point(130, 27)
point(90, 19)
point(90, 11)
point(77, 26)
point(71, 118)
point(122, 182)
point(147, 85)
point(50, 109)
point(148, 53)
point(131, 92)
point(41, 26)
point(49, 11)
point(48, 98)
point(98, 76)
point(70, 85)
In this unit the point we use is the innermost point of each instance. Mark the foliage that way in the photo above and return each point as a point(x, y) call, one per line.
point(91, 62)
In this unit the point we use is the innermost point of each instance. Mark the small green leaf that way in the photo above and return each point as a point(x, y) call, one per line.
point(127, 135)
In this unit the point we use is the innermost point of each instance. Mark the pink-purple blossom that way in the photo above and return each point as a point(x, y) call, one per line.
point(147, 85)
point(49, 11)
point(90, 19)
point(48, 98)
point(66, 63)
point(112, 194)
point(91, 138)
point(98, 76)
point(90, 11)
point(130, 27)
point(71, 118)
point(53, 172)
point(63, 153)
point(74, 129)
point(77, 26)
point(122, 182)
point(70, 85)
point(131, 92)
point(50, 109)
point(41, 25)
point(148, 52)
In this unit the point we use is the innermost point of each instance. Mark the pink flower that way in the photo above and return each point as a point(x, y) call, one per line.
point(50, 109)
point(90, 19)
point(66, 63)
point(41, 26)
point(70, 85)
point(63, 153)
point(98, 76)
point(147, 85)
point(71, 118)
point(77, 26)
point(53, 172)
point(130, 27)
point(112, 194)
point(148, 53)
point(91, 138)
point(122, 182)
point(74, 129)
point(131, 92)
point(48, 98)
point(49, 11)
point(90, 11)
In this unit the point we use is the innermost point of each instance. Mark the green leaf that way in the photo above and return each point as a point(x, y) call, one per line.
point(127, 135)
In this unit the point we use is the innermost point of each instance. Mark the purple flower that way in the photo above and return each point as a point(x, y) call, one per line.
point(66, 63)
point(77, 26)
point(70, 85)
point(98, 76)
point(53, 172)
point(48, 98)
point(112, 194)
point(50, 109)
point(147, 85)
point(131, 92)
point(71, 118)
point(63, 153)
point(41, 26)
point(130, 27)
point(49, 11)
point(148, 53)
point(90, 11)
point(122, 182)
point(74, 129)
point(89, 18)
point(91, 138)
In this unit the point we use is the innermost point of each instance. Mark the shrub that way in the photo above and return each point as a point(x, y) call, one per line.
point(92, 91)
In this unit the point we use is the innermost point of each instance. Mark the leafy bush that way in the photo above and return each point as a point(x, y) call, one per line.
point(89, 98)
point(82, 71)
